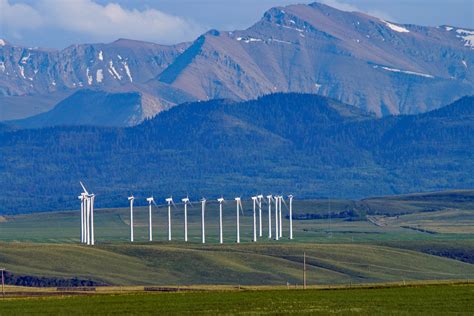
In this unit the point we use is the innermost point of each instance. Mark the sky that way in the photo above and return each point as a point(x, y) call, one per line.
point(60, 23)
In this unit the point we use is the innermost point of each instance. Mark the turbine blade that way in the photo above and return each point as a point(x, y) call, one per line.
point(241, 207)
point(84, 188)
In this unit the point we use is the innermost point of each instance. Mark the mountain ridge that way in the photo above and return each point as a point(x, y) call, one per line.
point(380, 66)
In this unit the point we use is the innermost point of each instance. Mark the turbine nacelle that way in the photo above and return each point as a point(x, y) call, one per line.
point(150, 200)
point(220, 200)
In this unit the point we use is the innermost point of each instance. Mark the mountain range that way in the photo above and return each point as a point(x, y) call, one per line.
point(378, 66)
point(304, 144)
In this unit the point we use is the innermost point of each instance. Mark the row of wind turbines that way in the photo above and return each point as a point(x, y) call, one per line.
point(257, 202)
point(87, 216)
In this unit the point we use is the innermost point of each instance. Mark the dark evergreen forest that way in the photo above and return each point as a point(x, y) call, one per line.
point(302, 144)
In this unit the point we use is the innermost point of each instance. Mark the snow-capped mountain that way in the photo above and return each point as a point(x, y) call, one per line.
point(361, 60)
point(379, 66)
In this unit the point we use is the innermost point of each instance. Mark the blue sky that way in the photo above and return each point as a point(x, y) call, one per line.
point(59, 23)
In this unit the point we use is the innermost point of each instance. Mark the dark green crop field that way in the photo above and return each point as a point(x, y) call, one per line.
point(426, 300)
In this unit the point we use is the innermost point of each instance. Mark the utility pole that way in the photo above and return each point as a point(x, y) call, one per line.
point(304, 270)
point(3, 282)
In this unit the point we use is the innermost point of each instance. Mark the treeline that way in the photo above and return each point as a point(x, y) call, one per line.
point(34, 281)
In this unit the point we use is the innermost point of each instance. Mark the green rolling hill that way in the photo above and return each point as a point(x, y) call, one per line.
point(246, 264)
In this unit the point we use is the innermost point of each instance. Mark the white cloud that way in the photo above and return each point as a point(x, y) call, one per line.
point(352, 8)
point(15, 18)
point(99, 22)
point(341, 5)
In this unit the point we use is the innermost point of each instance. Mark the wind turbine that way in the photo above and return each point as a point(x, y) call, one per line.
point(269, 197)
point(254, 200)
point(150, 231)
point(88, 215)
point(185, 201)
point(221, 236)
point(203, 229)
point(290, 197)
point(170, 201)
point(131, 199)
point(260, 197)
point(238, 201)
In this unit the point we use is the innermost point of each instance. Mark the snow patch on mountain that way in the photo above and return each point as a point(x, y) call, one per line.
point(448, 28)
point(99, 76)
point(101, 55)
point(249, 39)
point(293, 28)
point(464, 63)
point(467, 36)
point(2, 42)
point(279, 41)
point(2, 66)
point(395, 27)
point(405, 72)
point(89, 77)
point(24, 60)
point(22, 71)
point(127, 70)
point(114, 72)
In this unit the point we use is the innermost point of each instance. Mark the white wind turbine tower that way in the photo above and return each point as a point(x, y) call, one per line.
point(269, 197)
point(131, 199)
point(280, 198)
point(203, 228)
point(238, 201)
point(277, 226)
point(221, 235)
point(185, 201)
point(81, 197)
point(170, 201)
point(88, 219)
point(260, 197)
point(150, 230)
point(92, 198)
point(290, 197)
point(254, 200)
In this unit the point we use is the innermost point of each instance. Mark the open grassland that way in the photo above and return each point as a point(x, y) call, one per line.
point(323, 221)
point(245, 264)
point(428, 300)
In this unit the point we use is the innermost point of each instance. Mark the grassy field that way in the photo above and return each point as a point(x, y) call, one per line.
point(246, 264)
point(411, 217)
point(428, 300)
point(412, 237)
